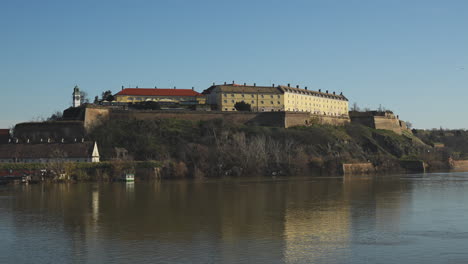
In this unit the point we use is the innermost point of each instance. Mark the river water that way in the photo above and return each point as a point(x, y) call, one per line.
point(417, 218)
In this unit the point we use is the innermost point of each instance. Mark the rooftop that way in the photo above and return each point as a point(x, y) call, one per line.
point(234, 87)
point(158, 92)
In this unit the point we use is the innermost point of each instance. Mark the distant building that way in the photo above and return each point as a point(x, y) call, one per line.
point(277, 98)
point(162, 96)
point(76, 97)
point(48, 152)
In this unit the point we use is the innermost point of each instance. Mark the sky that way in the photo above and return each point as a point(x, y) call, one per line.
point(409, 56)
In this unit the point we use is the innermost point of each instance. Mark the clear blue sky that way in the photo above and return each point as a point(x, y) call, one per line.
point(409, 56)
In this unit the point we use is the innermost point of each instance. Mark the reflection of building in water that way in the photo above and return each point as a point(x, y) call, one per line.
point(317, 222)
point(376, 207)
point(252, 223)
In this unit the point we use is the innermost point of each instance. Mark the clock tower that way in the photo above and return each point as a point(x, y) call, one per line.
point(76, 96)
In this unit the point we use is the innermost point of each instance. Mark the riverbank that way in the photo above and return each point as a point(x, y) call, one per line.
point(173, 148)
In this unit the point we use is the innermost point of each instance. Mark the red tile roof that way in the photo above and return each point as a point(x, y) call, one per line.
point(158, 92)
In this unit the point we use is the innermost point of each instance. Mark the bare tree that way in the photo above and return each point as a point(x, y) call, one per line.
point(355, 107)
point(84, 97)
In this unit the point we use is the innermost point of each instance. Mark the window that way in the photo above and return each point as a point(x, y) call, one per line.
point(225, 109)
point(243, 95)
point(253, 96)
point(232, 101)
point(253, 102)
point(278, 96)
point(232, 95)
point(271, 102)
point(261, 102)
point(225, 95)
point(225, 101)
point(262, 95)
point(271, 96)
point(279, 102)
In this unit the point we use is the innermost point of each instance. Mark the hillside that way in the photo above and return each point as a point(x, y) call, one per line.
point(216, 148)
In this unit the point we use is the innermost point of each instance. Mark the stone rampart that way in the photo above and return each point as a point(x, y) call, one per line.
point(379, 120)
point(56, 130)
point(274, 119)
point(459, 165)
point(392, 124)
point(358, 168)
point(95, 116)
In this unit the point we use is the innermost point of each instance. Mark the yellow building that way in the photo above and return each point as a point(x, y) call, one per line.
point(277, 98)
point(163, 96)
point(260, 98)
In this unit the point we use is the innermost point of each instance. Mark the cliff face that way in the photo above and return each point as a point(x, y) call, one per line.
point(216, 147)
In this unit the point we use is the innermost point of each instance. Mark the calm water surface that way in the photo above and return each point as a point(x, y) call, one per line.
point(419, 218)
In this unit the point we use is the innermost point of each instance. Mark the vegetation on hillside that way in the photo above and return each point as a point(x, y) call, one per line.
point(217, 148)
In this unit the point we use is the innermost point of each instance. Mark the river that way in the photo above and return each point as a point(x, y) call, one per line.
point(416, 218)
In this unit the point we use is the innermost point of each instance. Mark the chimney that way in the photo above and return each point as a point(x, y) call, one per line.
point(175, 87)
point(193, 88)
point(273, 85)
point(297, 86)
point(289, 85)
point(341, 93)
point(245, 84)
point(155, 87)
point(233, 82)
point(214, 84)
point(137, 86)
point(320, 90)
point(305, 87)
point(255, 84)
point(122, 87)
point(333, 92)
point(224, 83)
point(327, 91)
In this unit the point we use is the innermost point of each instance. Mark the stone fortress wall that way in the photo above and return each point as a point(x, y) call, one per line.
point(379, 120)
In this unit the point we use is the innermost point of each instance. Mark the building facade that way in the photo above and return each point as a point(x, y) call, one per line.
point(260, 98)
point(49, 152)
point(277, 98)
point(162, 96)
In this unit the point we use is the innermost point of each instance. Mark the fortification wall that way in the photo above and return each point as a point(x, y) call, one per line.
point(367, 121)
point(358, 168)
point(95, 116)
point(304, 119)
point(68, 130)
point(459, 165)
point(392, 124)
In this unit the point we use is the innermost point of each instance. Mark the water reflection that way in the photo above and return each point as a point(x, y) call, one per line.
point(305, 220)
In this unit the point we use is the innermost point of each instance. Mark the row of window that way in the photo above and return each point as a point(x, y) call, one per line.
point(316, 99)
point(253, 95)
point(253, 102)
